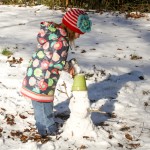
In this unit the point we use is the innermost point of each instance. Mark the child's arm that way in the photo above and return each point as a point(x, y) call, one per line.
point(60, 54)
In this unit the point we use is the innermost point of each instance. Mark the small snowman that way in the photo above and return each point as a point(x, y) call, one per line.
point(79, 124)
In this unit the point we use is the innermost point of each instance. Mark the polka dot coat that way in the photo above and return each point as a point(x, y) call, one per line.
point(43, 70)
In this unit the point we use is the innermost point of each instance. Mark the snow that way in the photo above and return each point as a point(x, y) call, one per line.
point(114, 56)
point(79, 123)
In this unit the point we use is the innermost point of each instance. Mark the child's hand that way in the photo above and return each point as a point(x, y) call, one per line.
point(72, 71)
point(72, 67)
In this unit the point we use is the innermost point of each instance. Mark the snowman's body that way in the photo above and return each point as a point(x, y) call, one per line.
point(79, 124)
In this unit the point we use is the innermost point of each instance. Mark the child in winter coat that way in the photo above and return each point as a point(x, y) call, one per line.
point(43, 71)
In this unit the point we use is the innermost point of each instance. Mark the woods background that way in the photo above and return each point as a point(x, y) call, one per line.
point(98, 5)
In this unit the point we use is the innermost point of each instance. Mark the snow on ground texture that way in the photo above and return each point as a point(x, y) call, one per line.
point(115, 58)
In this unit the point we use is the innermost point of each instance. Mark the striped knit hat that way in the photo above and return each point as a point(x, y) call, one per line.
point(77, 21)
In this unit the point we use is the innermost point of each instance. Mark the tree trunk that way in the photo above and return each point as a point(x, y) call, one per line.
point(67, 2)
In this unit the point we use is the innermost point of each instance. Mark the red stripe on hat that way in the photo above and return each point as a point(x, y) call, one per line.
point(70, 19)
point(71, 23)
point(69, 16)
point(73, 15)
point(77, 12)
point(71, 27)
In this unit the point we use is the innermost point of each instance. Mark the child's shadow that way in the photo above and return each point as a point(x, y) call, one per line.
point(108, 90)
point(62, 112)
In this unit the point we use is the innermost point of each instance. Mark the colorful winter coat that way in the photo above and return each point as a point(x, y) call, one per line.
point(43, 70)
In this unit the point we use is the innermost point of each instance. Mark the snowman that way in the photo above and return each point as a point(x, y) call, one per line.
point(79, 124)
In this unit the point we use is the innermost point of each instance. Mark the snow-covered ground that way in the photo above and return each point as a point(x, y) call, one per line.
point(115, 59)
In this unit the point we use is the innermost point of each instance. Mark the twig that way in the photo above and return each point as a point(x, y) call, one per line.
point(64, 84)
point(61, 91)
point(141, 132)
point(65, 89)
point(97, 110)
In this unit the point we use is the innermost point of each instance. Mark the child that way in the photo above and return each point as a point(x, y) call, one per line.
point(46, 63)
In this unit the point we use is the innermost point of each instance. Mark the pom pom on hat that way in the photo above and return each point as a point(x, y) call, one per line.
point(77, 21)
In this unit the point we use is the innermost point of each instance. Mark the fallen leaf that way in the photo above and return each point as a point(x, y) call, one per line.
point(1, 129)
point(125, 128)
point(26, 130)
point(15, 133)
point(112, 115)
point(83, 147)
point(128, 136)
point(93, 49)
point(32, 129)
point(119, 49)
point(22, 116)
point(30, 113)
point(3, 109)
point(114, 24)
point(83, 51)
point(110, 136)
point(86, 137)
point(134, 145)
point(21, 24)
point(145, 103)
point(135, 57)
point(24, 138)
point(10, 119)
point(120, 145)
point(103, 124)
point(141, 77)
